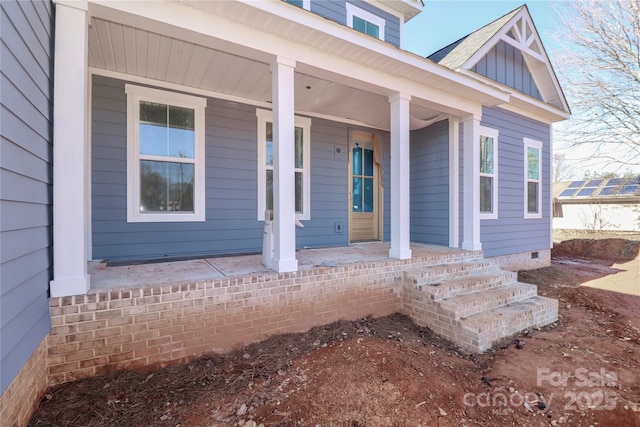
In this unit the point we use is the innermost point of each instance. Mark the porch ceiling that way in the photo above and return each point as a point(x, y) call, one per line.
point(133, 51)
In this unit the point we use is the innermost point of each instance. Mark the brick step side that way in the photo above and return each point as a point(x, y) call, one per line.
point(440, 272)
point(465, 305)
point(473, 283)
point(483, 330)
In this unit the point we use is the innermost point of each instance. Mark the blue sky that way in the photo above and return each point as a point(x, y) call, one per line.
point(442, 22)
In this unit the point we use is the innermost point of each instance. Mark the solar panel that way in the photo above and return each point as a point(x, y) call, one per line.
point(586, 192)
point(594, 183)
point(629, 189)
point(576, 184)
point(615, 181)
point(609, 191)
point(635, 180)
point(568, 192)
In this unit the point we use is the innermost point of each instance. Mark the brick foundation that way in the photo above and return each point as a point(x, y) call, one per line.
point(524, 260)
point(156, 326)
point(21, 397)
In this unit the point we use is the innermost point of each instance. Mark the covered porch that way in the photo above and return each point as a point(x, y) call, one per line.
point(279, 58)
point(106, 276)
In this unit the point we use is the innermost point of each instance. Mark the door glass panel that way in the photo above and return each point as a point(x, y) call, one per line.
point(298, 190)
point(368, 195)
point(368, 162)
point(357, 194)
point(357, 161)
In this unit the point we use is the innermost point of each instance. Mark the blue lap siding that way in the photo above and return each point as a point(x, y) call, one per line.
point(511, 232)
point(430, 184)
point(26, 115)
point(231, 225)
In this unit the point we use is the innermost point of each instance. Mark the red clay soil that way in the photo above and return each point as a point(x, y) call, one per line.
point(582, 371)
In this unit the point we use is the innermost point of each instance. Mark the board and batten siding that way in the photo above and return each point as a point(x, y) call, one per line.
point(231, 225)
point(26, 155)
point(511, 233)
point(430, 184)
point(336, 10)
point(505, 64)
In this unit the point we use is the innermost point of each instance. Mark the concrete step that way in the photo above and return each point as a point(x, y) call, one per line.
point(449, 288)
point(437, 273)
point(482, 330)
point(468, 304)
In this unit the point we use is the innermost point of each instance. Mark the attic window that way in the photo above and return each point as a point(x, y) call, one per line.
point(365, 22)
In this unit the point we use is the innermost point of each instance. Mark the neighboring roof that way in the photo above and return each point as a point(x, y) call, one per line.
point(458, 53)
point(613, 190)
point(516, 28)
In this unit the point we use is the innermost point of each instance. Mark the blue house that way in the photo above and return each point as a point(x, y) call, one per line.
point(171, 130)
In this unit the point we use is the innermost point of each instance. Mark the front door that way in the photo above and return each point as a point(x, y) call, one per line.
point(364, 187)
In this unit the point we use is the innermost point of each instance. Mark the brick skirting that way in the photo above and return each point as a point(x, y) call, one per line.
point(21, 396)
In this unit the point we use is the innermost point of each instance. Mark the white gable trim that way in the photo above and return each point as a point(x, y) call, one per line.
point(527, 40)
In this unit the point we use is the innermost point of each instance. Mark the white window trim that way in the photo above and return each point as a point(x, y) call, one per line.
point(353, 10)
point(135, 94)
point(491, 133)
point(538, 145)
point(265, 116)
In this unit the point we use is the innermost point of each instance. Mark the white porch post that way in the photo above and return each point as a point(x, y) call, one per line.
point(284, 253)
point(471, 182)
point(454, 182)
point(400, 215)
point(69, 151)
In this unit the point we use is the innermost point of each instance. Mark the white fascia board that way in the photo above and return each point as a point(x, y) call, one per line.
point(523, 104)
point(199, 27)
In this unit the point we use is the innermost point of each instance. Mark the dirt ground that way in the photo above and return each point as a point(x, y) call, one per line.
point(583, 370)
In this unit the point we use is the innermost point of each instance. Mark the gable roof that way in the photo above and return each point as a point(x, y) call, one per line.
point(516, 28)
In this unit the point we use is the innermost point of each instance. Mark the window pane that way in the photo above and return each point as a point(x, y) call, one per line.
point(368, 162)
point(486, 193)
point(181, 132)
point(486, 154)
point(359, 24)
point(299, 149)
point(532, 197)
point(269, 190)
point(295, 2)
point(357, 161)
point(368, 195)
point(298, 192)
point(373, 30)
point(166, 186)
point(167, 130)
point(269, 142)
point(357, 194)
point(153, 129)
point(533, 163)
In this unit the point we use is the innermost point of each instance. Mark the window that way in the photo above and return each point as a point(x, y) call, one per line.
point(533, 178)
point(488, 173)
point(165, 156)
point(301, 165)
point(303, 4)
point(365, 22)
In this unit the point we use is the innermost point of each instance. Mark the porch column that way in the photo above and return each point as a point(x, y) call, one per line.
point(284, 209)
point(70, 199)
point(400, 215)
point(471, 182)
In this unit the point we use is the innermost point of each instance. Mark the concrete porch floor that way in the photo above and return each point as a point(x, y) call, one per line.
point(197, 270)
